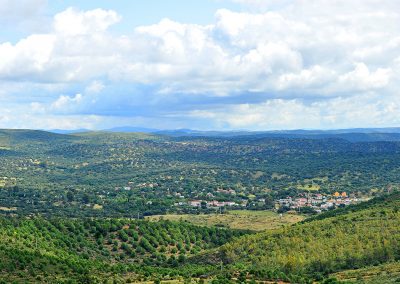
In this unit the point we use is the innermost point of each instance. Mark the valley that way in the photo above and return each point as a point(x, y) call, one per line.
point(200, 142)
point(101, 207)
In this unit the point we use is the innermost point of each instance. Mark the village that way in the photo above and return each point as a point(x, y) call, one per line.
point(224, 198)
point(317, 201)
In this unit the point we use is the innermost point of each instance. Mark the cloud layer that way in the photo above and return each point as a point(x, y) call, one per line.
point(279, 64)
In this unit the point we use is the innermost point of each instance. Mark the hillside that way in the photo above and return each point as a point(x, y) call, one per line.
point(356, 244)
point(22, 136)
point(358, 237)
point(388, 273)
point(58, 250)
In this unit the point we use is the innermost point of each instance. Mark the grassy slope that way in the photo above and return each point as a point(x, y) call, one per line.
point(238, 219)
point(384, 274)
point(364, 235)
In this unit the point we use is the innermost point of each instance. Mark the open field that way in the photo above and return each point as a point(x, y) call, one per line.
point(238, 219)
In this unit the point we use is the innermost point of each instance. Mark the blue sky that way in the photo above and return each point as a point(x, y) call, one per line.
point(138, 13)
point(134, 13)
point(210, 64)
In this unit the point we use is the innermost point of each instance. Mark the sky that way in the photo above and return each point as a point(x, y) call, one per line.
point(199, 64)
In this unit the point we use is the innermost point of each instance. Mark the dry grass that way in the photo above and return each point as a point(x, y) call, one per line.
point(97, 207)
point(8, 208)
point(238, 219)
point(310, 187)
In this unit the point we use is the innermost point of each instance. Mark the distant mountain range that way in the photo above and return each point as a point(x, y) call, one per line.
point(61, 131)
point(235, 132)
point(352, 134)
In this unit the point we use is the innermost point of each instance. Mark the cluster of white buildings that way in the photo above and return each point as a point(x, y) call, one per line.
point(214, 203)
point(318, 201)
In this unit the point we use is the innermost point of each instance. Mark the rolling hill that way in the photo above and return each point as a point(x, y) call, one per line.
point(355, 244)
point(67, 203)
point(353, 238)
point(114, 174)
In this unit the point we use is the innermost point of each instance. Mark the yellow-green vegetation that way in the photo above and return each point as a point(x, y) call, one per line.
point(310, 186)
point(385, 273)
point(238, 219)
point(8, 208)
point(5, 181)
point(97, 207)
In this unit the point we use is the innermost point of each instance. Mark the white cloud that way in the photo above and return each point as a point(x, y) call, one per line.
point(316, 77)
point(295, 114)
point(73, 22)
point(95, 87)
point(362, 78)
point(29, 57)
point(241, 52)
point(63, 103)
point(289, 59)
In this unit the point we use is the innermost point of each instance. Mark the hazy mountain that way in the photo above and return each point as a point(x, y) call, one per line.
point(63, 131)
point(352, 135)
point(132, 129)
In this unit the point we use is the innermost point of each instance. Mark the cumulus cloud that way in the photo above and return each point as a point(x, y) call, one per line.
point(362, 78)
point(306, 63)
point(28, 59)
point(295, 114)
point(73, 22)
point(64, 102)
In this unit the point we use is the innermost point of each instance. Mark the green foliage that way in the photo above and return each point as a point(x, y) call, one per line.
point(364, 235)
point(104, 180)
point(78, 249)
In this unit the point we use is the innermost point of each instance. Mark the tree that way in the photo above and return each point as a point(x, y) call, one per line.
point(86, 198)
point(70, 196)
